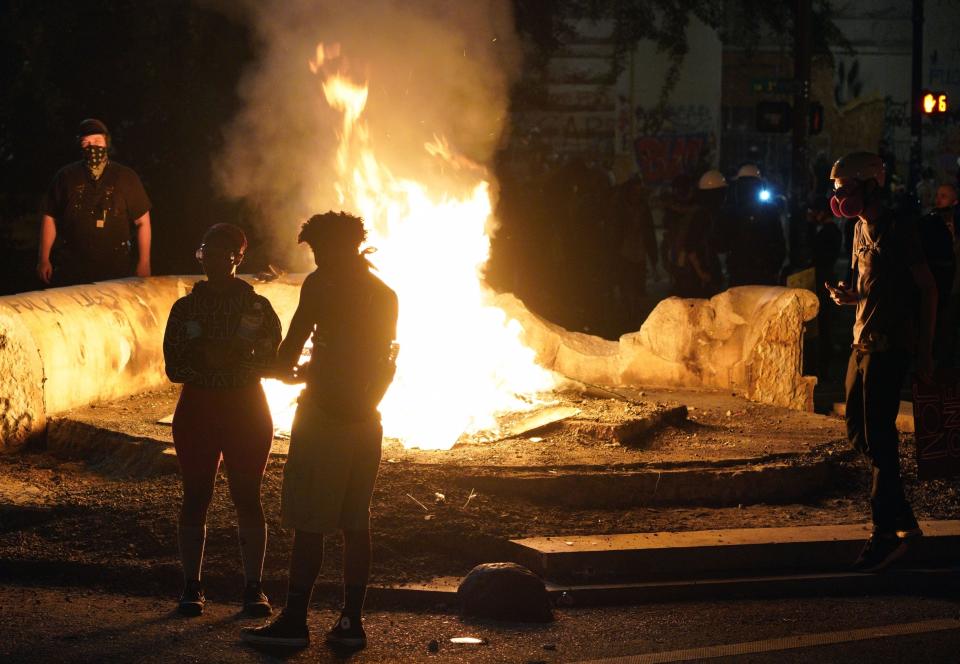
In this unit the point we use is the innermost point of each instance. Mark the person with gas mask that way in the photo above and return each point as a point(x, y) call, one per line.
point(91, 206)
point(890, 279)
point(941, 245)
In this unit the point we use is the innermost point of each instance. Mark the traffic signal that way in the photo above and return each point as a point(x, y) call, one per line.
point(815, 126)
point(934, 103)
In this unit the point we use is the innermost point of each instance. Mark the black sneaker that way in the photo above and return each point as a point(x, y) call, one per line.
point(347, 633)
point(191, 600)
point(879, 552)
point(284, 631)
point(255, 603)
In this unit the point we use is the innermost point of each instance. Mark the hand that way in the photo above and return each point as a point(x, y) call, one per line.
point(143, 268)
point(45, 270)
point(288, 375)
point(925, 366)
point(842, 294)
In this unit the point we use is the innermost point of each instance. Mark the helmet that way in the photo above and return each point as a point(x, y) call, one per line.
point(712, 180)
point(749, 171)
point(860, 166)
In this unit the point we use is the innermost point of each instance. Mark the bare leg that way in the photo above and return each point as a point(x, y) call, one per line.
point(192, 531)
point(357, 552)
point(251, 527)
point(306, 560)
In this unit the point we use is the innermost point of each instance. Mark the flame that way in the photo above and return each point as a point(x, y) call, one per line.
point(462, 362)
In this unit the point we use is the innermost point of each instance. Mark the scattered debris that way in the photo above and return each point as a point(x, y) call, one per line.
point(428, 517)
point(439, 498)
point(473, 494)
point(418, 502)
point(433, 646)
point(549, 646)
point(469, 640)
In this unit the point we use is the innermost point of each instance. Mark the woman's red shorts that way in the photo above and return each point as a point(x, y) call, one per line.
point(233, 421)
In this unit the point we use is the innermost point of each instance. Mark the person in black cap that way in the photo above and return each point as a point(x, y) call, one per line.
point(92, 204)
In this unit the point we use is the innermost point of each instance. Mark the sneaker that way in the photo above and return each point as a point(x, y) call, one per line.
point(879, 552)
point(255, 603)
point(191, 600)
point(283, 631)
point(347, 633)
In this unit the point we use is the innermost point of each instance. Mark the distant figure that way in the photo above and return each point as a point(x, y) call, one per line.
point(941, 245)
point(895, 295)
point(336, 438)
point(637, 247)
point(698, 266)
point(751, 234)
point(220, 339)
point(91, 205)
point(679, 210)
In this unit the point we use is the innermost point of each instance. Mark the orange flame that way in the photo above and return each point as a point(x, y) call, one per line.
point(461, 361)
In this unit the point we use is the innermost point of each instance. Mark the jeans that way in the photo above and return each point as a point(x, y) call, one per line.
point(873, 401)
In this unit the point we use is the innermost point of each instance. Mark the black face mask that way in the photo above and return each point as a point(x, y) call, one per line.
point(94, 155)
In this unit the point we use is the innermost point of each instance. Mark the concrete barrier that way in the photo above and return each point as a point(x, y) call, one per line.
point(747, 339)
point(68, 347)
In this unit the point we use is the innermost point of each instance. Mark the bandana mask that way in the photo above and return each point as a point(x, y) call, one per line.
point(847, 203)
point(95, 158)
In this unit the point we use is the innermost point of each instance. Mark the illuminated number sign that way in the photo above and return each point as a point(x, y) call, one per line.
point(935, 103)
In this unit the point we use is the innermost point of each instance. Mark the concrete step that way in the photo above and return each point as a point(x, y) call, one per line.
point(712, 554)
point(904, 416)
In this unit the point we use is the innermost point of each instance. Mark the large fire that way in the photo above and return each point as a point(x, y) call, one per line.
point(461, 361)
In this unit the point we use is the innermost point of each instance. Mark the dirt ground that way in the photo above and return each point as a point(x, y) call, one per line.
point(67, 519)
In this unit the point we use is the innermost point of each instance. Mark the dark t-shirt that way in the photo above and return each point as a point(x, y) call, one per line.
point(93, 217)
point(937, 244)
point(883, 256)
point(355, 322)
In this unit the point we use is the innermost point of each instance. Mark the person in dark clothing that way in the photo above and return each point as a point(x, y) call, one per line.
point(91, 205)
point(679, 210)
point(826, 243)
point(220, 339)
point(637, 246)
point(336, 438)
point(890, 272)
point(942, 247)
point(751, 235)
point(697, 273)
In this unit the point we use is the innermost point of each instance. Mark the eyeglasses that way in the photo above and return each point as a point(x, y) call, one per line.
point(205, 251)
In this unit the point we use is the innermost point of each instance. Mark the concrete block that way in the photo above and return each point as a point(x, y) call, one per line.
point(748, 339)
point(719, 553)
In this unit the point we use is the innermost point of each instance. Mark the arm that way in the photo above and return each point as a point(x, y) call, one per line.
point(264, 356)
point(928, 318)
point(143, 244)
point(48, 233)
point(179, 349)
point(288, 355)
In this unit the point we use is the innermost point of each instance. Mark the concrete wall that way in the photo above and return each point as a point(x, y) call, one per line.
point(747, 339)
point(67, 347)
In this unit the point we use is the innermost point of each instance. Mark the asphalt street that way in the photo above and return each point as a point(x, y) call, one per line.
point(54, 624)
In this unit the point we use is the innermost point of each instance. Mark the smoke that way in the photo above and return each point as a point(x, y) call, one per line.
point(434, 68)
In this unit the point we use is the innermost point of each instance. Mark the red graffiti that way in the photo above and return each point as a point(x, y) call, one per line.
point(661, 158)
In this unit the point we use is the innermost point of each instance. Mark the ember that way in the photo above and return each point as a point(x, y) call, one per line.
point(460, 357)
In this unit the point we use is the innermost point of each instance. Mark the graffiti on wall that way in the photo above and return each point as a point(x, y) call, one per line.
point(677, 139)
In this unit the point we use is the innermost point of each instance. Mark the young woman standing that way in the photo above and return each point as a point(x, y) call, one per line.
point(219, 340)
